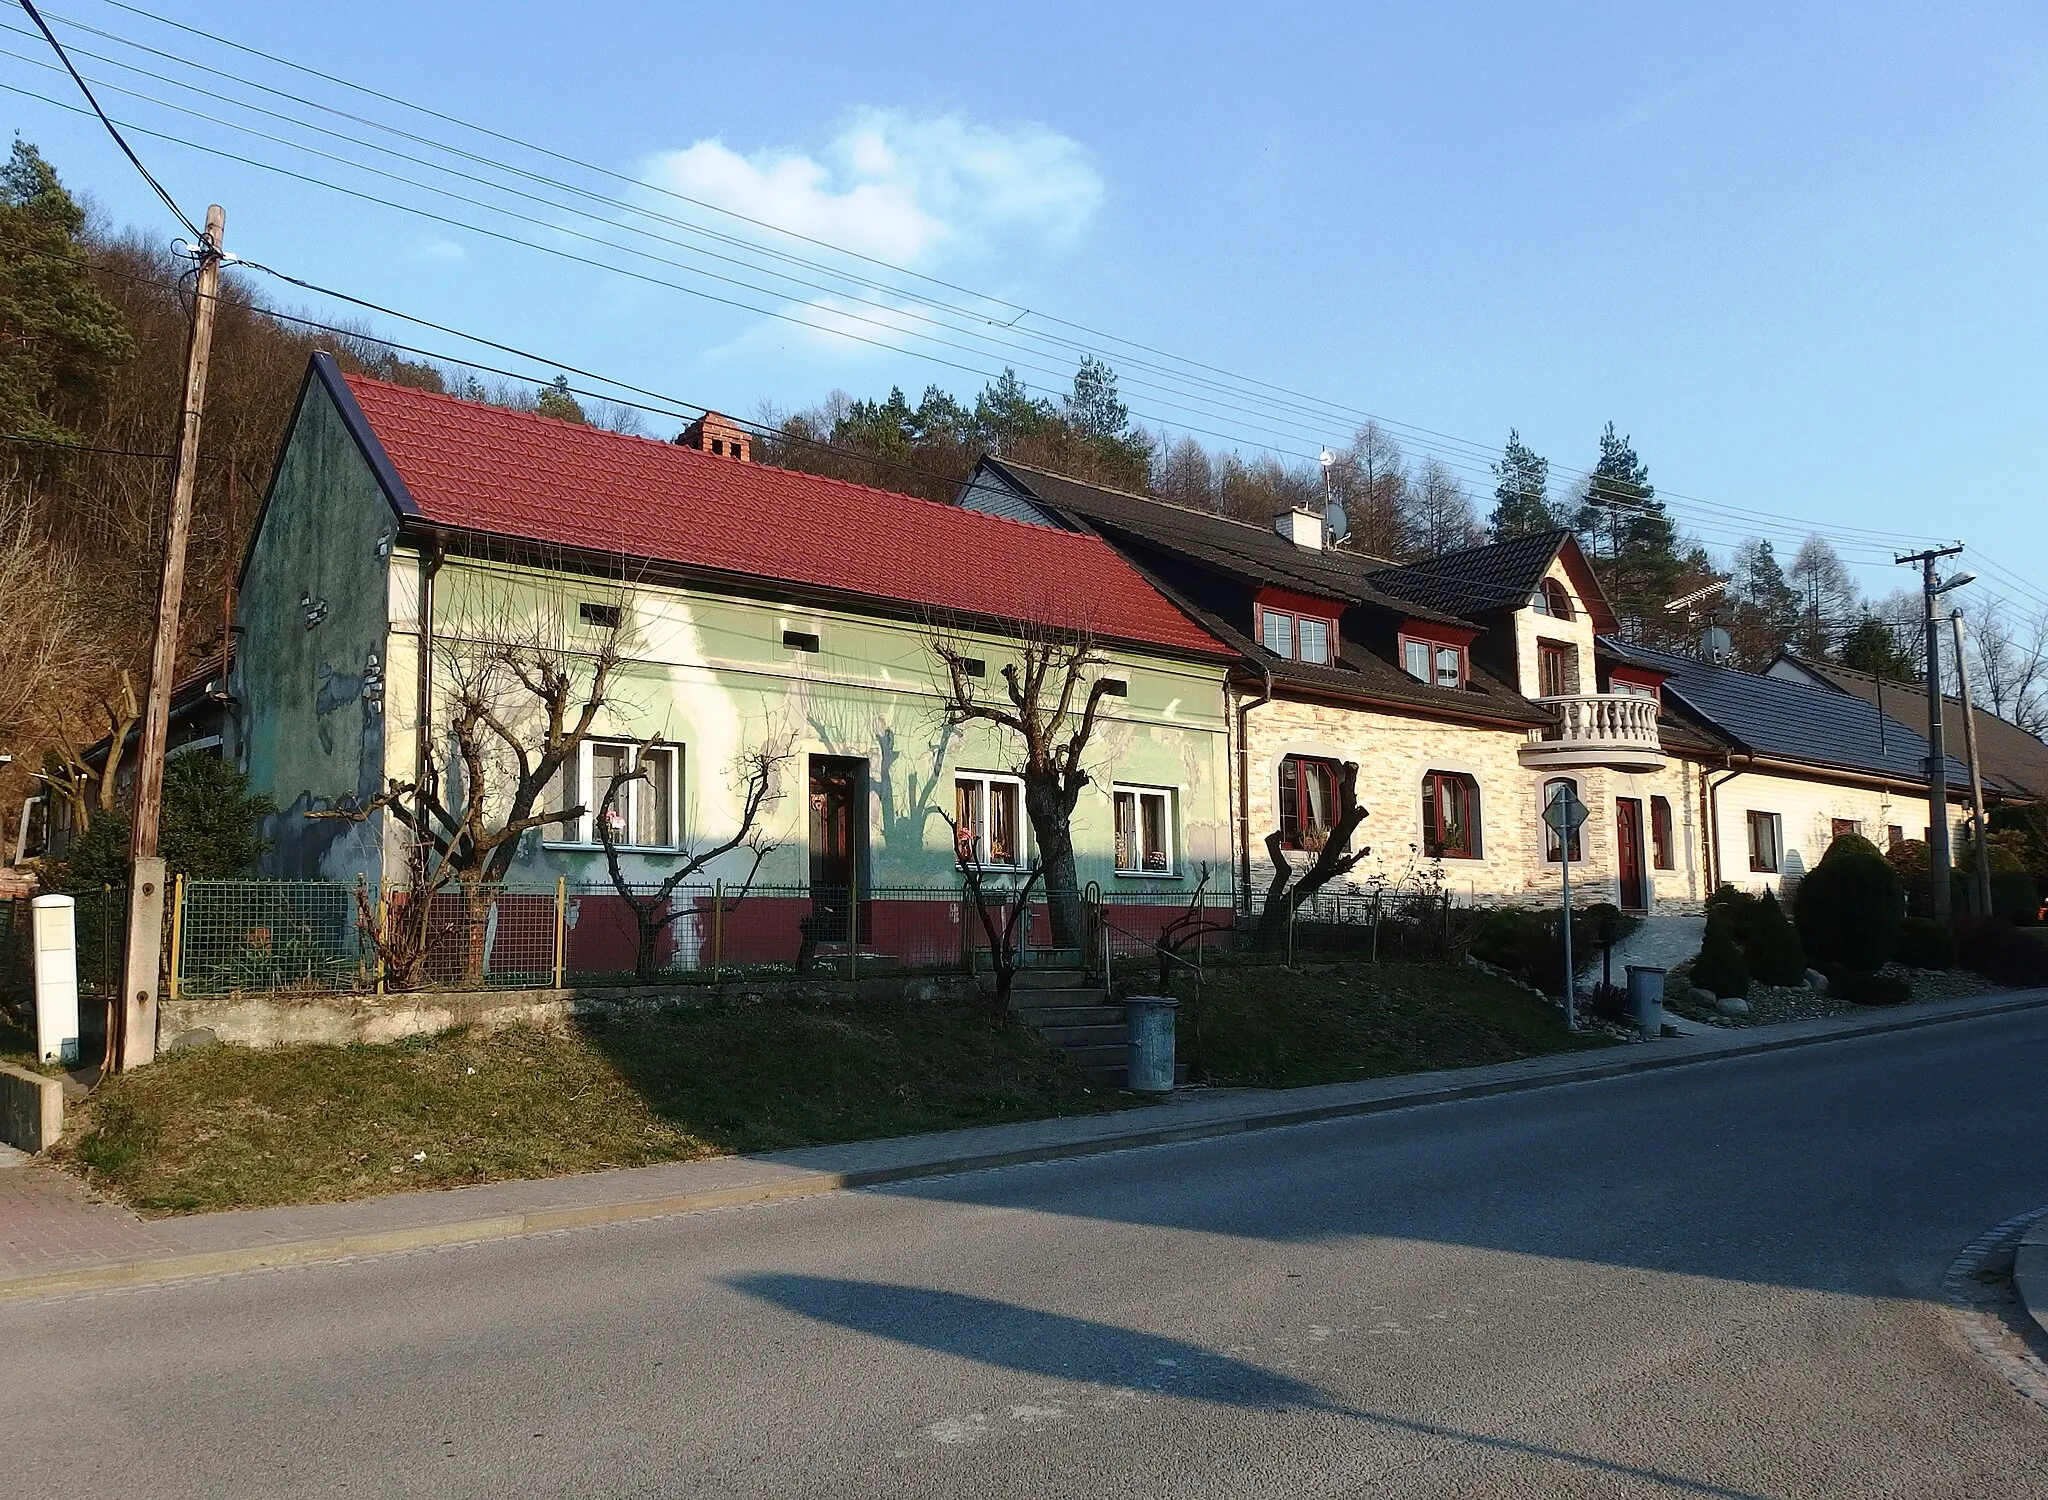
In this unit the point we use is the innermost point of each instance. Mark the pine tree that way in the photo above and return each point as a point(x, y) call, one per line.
point(1871, 647)
point(1521, 501)
point(1640, 566)
point(557, 401)
point(60, 339)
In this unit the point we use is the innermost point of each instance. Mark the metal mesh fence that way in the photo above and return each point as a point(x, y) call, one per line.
point(258, 935)
point(101, 919)
point(230, 935)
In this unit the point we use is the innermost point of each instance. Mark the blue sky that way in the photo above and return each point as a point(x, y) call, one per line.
point(1796, 252)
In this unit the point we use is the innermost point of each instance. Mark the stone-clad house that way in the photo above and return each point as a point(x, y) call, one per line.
point(1464, 689)
point(1467, 687)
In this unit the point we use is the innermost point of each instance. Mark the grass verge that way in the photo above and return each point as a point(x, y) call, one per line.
point(1273, 1028)
point(232, 1127)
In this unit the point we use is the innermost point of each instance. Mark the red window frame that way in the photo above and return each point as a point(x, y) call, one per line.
point(1660, 835)
point(1552, 845)
point(1432, 647)
point(1444, 837)
point(1758, 863)
point(1299, 827)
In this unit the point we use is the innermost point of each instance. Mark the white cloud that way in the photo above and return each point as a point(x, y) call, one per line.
point(442, 250)
point(917, 191)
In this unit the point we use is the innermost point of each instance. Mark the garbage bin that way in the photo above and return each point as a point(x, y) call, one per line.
point(1149, 1023)
point(1646, 998)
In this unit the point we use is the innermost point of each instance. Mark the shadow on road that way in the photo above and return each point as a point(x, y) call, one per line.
point(1054, 1346)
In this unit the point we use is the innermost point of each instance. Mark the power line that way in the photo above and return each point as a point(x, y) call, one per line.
point(134, 160)
point(1467, 452)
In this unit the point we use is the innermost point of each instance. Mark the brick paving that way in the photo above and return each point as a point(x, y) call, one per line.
point(50, 1221)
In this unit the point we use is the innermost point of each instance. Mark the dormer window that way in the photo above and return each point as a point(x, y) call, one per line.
point(1433, 662)
point(1311, 639)
point(1552, 599)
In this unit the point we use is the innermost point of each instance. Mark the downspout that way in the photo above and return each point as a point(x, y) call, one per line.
point(423, 734)
point(1244, 790)
point(1710, 797)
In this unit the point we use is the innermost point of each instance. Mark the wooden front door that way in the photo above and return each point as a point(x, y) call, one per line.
point(838, 836)
point(1628, 844)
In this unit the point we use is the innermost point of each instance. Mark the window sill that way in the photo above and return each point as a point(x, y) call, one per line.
point(1146, 874)
point(561, 847)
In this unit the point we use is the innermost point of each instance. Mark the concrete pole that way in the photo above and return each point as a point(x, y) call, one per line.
point(1981, 860)
point(134, 1017)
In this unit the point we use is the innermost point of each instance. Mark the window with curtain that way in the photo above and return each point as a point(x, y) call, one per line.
point(1662, 855)
point(1308, 801)
point(1450, 815)
point(1144, 830)
point(1766, 845)
point(1277, 632)
point(987, 819)
point(642, 815)
point(1552, 848)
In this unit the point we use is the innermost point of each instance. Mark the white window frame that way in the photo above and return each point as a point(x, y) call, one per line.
point(1302, 626)
point(581, 833)
point(1168, 795)
point(1411, 647)
point(984, 780)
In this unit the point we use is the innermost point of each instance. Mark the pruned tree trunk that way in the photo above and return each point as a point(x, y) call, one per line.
point(1285, 896)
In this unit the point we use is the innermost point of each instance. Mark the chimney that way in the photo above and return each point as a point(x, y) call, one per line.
point(1302, 527)
point(719, 436)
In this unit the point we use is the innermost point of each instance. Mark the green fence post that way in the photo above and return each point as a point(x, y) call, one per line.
point(717, 931)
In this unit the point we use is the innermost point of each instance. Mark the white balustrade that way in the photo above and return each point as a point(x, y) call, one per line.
point(1611, 729)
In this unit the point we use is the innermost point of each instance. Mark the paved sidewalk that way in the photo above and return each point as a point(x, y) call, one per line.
point(57, 1239)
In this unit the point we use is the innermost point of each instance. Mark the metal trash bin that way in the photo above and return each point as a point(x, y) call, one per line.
point(1646, 998)
point(1149, 1023)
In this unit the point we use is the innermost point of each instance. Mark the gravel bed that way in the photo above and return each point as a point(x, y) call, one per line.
point(1770, 1004)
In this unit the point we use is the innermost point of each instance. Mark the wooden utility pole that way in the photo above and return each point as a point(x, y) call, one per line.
point(1980, 874)
point(134, 1018)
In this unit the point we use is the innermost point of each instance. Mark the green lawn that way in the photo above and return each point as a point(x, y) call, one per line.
point(1276, 1029)
point(231, 1127)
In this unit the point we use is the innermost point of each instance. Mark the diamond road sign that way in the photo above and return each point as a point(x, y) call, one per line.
point(1565, 812)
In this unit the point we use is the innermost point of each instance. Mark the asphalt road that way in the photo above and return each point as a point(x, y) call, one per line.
point(1718, 1280)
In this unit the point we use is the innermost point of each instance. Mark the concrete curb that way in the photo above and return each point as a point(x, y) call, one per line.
point(2030, 1272)
point(802, 1183)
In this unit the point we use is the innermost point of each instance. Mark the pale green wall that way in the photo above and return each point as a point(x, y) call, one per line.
point(710, 672)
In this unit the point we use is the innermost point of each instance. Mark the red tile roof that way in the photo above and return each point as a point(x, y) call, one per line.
point(482, 468)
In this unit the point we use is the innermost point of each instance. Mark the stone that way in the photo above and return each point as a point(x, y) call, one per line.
point(198, 1036)
point(1700, 996)
point(1817, 981)
point(1732, 1005)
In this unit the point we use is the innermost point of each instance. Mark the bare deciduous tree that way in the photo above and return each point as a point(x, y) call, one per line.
point(2009, 664)
point(1000, 912)
point(757, 774)
point(1052, 695)
point(484, 783)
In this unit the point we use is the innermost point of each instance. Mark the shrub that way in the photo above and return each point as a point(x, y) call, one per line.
point(2000, 951)
point(1525, 944)
point(1772, 948)
point(1850, 907)
point(208, 829)
point(1740, 909)
point(1861, 987)
point(1926, 944)
point(2015, 897)
point(1720, 967)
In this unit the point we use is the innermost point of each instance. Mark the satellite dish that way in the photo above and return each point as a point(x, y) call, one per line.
point(1336, 525)
point(1715, 644)
point(1326, 458)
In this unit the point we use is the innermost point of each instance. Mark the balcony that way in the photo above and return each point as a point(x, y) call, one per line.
point(1614, 730)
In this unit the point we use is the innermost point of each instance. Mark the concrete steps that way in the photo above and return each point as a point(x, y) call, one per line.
point(1075, 1017)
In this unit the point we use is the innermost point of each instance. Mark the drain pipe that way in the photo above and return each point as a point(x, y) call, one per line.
point(1244, 790)
point(1710, 797)
point(432, 556)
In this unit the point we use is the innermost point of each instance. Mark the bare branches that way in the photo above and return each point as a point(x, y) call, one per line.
point(757, 774)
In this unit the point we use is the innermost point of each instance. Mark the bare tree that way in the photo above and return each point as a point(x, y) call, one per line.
point(2009, 664)
point(1001, 915)
point(87, 789)
point(484, 783)
point(1439, 514)
point(1191, 925)
point(1052, 695)
point(1334, 858)
point(757, 774)
point(1370, 480)
point(1182, 473)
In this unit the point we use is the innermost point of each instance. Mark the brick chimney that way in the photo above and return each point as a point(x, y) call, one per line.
point(720, 436)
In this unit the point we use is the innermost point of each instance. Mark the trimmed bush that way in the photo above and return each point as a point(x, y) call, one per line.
point(2015, 897)
point(1772, 948)
point(1926, 944)
point(1720, 967)
point(1741, 910)
point(1861, 987)
point(2000, 951)
point(1850, 907)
